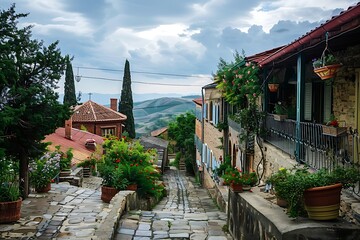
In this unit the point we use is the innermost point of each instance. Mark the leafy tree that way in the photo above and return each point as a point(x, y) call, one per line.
point(126, 103)
point(182, 132)
point(69, 89)
point(29, 107)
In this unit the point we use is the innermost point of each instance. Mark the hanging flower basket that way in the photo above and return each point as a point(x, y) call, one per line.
point(327, 72)
point(273, 87)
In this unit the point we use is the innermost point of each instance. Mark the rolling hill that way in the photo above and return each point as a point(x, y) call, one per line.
point(157, 113)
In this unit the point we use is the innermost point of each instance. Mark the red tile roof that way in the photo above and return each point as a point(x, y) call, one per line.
point(158, 132)
point(263, 55)
point(77, 143)
point(198, 101)
point(93, 112)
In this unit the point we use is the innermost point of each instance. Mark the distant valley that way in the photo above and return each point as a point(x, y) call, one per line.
point(151, 111)
point(157, 113)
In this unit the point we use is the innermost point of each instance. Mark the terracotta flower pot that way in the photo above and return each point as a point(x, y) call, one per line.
point(43, 189)
point(132, 187)
point(327, 72)
point(323, 203)
point(236, 187)
point(107, 193)
point(281, 202)
point(10, 211)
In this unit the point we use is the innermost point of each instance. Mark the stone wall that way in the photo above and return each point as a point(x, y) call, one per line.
point(253, 217)
point(344, 98)
point(273, 160)
point(211, 138)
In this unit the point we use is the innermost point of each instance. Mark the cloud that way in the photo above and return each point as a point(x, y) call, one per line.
point(177, 37)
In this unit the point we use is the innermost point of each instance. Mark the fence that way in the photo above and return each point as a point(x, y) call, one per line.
point(313, 145)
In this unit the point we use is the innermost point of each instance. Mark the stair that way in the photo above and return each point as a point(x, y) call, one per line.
point(182, 166)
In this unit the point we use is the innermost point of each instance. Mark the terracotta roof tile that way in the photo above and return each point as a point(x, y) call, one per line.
point(157, 132)
point(77, 143)
point(198, 101)
point(93, 112)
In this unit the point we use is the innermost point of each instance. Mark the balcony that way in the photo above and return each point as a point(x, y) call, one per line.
point(312, 146)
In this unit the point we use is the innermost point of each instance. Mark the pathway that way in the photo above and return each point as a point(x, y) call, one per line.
point(188, 212)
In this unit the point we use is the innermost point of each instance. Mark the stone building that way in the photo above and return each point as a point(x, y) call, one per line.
point(98, 119)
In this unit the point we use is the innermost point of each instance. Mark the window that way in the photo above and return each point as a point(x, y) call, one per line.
point(106, 131)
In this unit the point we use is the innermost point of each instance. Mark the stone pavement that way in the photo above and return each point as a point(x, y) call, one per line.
point(65, 212)
point(188, 212)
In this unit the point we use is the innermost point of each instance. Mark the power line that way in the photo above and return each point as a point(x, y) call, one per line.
point(147, 83)
point(145, 72)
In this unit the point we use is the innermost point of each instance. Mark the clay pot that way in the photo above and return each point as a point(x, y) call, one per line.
point(107, 193)
point(236, 187)
point(323, 203)
point(43, 189)
point(132, 187)
point(10, 211)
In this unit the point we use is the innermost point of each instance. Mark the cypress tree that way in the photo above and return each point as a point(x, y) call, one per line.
point(126, 102)
point(69, 88)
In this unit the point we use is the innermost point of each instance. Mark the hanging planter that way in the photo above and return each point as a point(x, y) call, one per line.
point(328, 71)
point(327, 65)
point(273, 87)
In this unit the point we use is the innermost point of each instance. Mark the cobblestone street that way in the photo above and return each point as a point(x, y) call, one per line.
point(187, 212)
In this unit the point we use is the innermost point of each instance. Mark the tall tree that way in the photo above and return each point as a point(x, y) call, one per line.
point(69, 88)
point(29, 107)
point(126, 103)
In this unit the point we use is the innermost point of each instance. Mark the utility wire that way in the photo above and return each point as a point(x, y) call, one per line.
point(145, 72)
point(147, 83)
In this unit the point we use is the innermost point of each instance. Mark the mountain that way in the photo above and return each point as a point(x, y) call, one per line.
point(104, 99)
point(157, 113)
point(153, 112)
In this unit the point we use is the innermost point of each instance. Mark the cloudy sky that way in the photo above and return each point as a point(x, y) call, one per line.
point(167, 42)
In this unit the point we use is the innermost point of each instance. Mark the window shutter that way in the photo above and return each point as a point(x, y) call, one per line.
point(327, 102)
point(308, 102)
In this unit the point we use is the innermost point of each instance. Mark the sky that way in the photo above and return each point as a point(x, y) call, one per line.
point(173, 46)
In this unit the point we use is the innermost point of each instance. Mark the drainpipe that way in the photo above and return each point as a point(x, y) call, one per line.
point(202, 132)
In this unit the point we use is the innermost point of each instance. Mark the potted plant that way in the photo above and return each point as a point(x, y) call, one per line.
point(312, 193)
point(280, 111)
point(273, 85)
point(65, 161)
point(275, 178)
point(10, 200)
point(326, 66)
point(220, 171)
point(44, 170)
point(232, 177)
point(332, 128)
point(113, 181)
point(89, 166)
point(249, 179)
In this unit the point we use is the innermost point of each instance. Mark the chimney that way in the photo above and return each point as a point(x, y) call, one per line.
point(113, 104)
point(68, 126)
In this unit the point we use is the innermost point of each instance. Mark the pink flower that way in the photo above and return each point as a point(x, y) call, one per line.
point(254, 94)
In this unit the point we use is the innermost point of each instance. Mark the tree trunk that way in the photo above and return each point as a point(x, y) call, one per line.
point(24, 175)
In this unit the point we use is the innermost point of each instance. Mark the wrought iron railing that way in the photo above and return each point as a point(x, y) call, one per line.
point(312, 146)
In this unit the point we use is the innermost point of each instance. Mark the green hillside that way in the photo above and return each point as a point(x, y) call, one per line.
point(156, 113)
